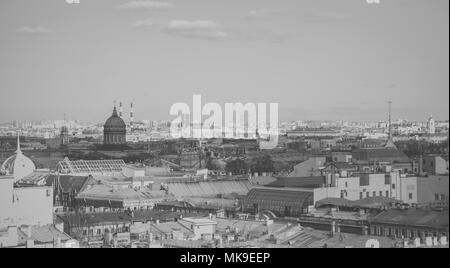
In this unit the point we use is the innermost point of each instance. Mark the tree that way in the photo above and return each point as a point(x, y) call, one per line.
point(263, 164)
point(236, 167)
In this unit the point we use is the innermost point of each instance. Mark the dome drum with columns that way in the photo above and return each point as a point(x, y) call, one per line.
point(114, 130)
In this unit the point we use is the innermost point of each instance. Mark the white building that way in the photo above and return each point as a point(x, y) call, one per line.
point(359, 187)
point(203, 228)
point(23, 205)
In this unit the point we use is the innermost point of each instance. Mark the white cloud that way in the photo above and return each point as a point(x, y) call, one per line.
point(34, 30)
point(142, 23)
point(145, 5)
point(203, 29)
point(258, 14)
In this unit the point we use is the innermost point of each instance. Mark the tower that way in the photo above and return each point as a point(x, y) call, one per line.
point(64, 134)
point(431, 125)
point(390, 121)
point(131, 114)
point(390, 142)
point(120, 110)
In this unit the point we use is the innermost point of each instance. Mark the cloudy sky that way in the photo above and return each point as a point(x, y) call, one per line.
point(319, 59)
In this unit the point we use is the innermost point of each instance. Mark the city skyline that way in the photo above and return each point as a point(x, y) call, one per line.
point(244, 126)
point(314, 58)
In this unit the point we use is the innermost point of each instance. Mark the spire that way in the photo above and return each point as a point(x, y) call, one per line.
point(390, 122)
point(115, 112)
point(390, 142)
point(18, 143)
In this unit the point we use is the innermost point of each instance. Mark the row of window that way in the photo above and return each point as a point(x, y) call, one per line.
point(440, 197)
point(402, 232)
point(114, 139)
point(100, 231)
point(374, 194)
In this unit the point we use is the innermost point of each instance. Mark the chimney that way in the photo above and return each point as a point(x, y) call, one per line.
point(57, 242)
point(131, 114)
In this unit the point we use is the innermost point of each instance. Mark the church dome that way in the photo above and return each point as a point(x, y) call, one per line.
point(114, 130)
point(18, 165)
point(115, 123)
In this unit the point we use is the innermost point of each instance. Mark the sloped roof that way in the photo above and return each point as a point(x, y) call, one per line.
point(281, 196)
point(414, 217)
point(103, 192)
point(42, 234)
point(263, 180)
point(382, 154)
point(370, 202)
point(169, 227)
point(341, 165)
point(375, 202)
point(90, 167)
point(339, 202)
point(35, 178)
point(92, 219)
point(70, 183)
point(298, 182)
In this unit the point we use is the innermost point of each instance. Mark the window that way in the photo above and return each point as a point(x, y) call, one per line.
point(360, 195)
point(99, 231)
point(393, 186)
point(374, 193)
point(346, 184)
point(367, 194)
point(436, 197)
point(381, 193)
point(387, 193)
point(442, 197)
point(410, 196)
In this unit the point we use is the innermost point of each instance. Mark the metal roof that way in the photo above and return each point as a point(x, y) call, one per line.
point(90, 167)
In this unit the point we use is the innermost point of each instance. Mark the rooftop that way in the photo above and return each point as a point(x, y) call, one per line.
point(93, 219)
point(200, 221)
point(90, 166)
point(370, 202)
point(104, 192)
point(298, 182)
point(414, 217)
point(42, 234)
